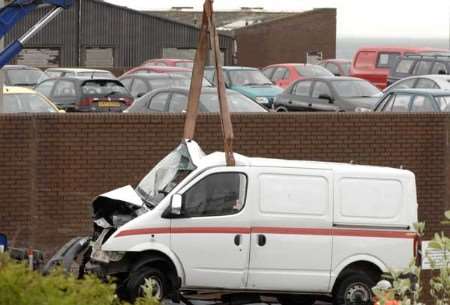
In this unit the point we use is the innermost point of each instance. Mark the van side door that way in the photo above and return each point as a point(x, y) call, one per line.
point(291, 240)
point(211, 237)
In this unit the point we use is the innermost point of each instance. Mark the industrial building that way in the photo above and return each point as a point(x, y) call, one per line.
point(98, 34)
point(95, 33)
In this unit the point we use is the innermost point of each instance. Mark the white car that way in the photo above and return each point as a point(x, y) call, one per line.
point(437, 81)
point(79, 72)
point(295, 230)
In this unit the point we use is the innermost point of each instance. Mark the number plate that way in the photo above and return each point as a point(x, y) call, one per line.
point(108, 104)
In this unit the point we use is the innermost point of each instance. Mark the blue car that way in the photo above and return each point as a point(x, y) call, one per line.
point(248, 81)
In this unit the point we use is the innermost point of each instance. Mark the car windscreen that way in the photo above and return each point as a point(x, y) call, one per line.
point(165, 175)
point(188, 75)
point(355, 88)
point(95, 74)
point(25, 77)
point(443, 103)
point(26, 102)
point(248, 78)
point(159, 83)
point(185, 64)
point(312, 71)
point(346, 67)
point(103, 88)
point(236, 103)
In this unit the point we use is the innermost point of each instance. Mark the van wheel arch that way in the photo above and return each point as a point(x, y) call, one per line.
point(365, 271)
point(158, 260)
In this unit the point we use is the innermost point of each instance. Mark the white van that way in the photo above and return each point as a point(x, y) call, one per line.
point(295, 230)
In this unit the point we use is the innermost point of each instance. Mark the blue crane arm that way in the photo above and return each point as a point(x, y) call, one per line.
point(12, 13)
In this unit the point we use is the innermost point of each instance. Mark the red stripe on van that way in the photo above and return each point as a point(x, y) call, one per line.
point(339, 232)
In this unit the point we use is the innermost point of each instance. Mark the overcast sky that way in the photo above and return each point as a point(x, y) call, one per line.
point(356, 18)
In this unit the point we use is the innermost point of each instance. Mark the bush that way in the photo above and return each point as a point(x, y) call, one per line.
point(19, 286)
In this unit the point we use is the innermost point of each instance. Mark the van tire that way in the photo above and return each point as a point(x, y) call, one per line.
point(354, 288)
point(137, 279)
point(296, 300)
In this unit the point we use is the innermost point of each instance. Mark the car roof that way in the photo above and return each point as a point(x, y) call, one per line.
point(162, 68)
point(171, 59)
point(16, 90)
point(81, 79)
point(398, 49)
point(17, 67)
point(337, 60)
point(153, 76)
point(332, 78)
point(230, 68)
point(77, 70)
point(434, 92)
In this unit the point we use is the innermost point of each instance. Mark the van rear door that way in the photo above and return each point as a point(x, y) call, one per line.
point(291, 230)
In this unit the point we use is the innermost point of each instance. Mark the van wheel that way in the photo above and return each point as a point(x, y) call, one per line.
point(137, 279)
point(296, 300)
point(354, 289)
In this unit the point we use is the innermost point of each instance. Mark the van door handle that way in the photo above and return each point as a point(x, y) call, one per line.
point(261, 240)
point(237, 240)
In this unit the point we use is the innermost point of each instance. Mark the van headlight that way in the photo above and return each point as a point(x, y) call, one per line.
point(262, 100)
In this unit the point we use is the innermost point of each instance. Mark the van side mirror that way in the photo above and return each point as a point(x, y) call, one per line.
point(326, 97)
point(176, 204)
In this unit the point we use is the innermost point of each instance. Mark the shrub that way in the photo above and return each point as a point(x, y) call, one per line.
point(19, 286)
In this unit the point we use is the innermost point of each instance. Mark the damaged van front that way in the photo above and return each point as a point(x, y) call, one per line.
point(122, 206)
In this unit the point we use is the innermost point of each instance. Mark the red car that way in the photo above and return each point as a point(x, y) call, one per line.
point(171, 62)
point(374, 63)
point(161, 69)
point(339, 67)
point(283, 75)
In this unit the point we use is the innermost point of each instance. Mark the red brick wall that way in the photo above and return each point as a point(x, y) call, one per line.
point(288, 39)
point(51, 166)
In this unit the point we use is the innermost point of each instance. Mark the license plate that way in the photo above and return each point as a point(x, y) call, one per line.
point(108, 104)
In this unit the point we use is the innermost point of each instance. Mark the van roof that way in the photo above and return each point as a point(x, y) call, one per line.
point(218, 159)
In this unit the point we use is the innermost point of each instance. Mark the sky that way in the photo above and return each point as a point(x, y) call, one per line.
point(356, 18)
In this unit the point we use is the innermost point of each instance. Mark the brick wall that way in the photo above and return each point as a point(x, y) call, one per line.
point(288, 39)
point(51, 166)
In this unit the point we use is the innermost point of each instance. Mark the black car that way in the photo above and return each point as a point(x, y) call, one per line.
point(176, 99)
point(413, 64)
point(328, 94)
point(141, 83)
point(86, 95)
point(23, 76)
point(415, 100)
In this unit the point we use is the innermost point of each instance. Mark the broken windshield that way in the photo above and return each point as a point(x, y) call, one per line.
point(165, 175)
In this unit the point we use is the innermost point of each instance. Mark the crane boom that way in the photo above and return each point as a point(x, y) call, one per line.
point(12, 13)
point(208, 28)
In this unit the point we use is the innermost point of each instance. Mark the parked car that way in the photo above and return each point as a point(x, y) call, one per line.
point(139, 84)
point(79, 72)
point(171, 62)
point(19, 99)
point(294, 230)
point(421, 82)
point(176, 99)
point(339, 67)
point(374, 64)
point(23, 76)
point(86, 95)
point(283, 75)
point(249, 81)
point(411, 65)
point(415, 100)
point(328, 94)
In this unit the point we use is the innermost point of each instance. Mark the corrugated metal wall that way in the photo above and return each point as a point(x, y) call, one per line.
point(134, 36)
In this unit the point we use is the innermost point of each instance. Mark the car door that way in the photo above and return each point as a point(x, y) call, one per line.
point(300, 97)
point(212, 236)
point(291, 239)
point(422, 103)
point(158, 103)
point(322, 98)
point(281, 77)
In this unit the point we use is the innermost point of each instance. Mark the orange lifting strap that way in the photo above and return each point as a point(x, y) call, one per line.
point(208, 30)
